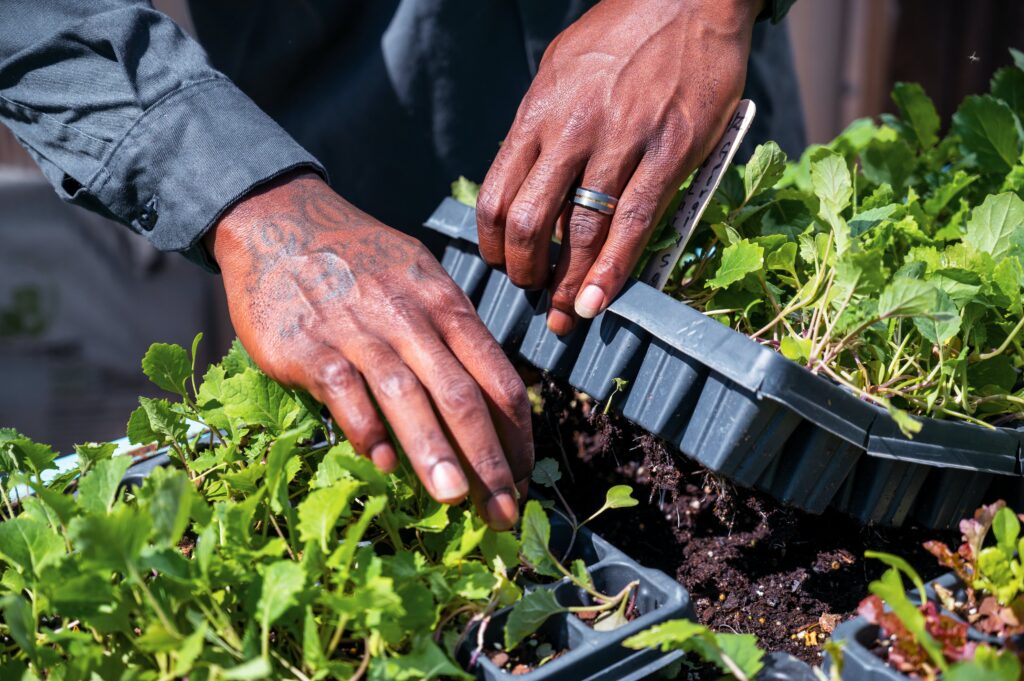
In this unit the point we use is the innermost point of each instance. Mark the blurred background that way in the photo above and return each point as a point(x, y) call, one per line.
point(81, 299)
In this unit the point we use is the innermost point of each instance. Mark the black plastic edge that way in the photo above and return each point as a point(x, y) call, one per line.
point(762, 370)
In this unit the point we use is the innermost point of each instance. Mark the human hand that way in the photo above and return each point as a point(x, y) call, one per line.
point(327, 299)
point(627, 101)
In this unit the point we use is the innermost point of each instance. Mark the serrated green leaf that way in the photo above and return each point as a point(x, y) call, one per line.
point(97, 488)
point(782, 258)
point(425, 661)
point(738, 260)
point(255, 399)
point(28, 544)
point(988, 130)
point(1008, 85)
point(995, 224)
point(581, 574)
point(536, 535)
point(941, 322)
point(114, 540)
point(20, 623)
point(91, 453)
point(168, 366)
point(529, 614)
point(764, 169)
point(170, 499)
point(546, 473)
point(830, 179)
point(319, 512)
point(918, 111)
point(469, 533)
point(282, 582)
point(906, 297)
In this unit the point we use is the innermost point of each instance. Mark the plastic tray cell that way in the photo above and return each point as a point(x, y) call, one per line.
point(611, 350)
point(742, 409)
point(661, 397)
point(810, 469)
point(735, 433)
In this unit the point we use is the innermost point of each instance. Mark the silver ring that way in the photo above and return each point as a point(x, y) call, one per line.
point(602, 203)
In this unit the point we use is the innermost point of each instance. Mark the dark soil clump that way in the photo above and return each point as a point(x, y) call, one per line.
point(751, 565)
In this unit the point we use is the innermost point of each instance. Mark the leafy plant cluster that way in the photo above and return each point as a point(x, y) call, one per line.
point(890, 260)
point(268, 549)
point(934, 637)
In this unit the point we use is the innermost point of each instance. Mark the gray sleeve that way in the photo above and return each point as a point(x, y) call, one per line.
point(125, 116)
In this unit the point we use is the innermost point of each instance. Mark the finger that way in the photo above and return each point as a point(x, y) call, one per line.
point(467, 418)
point(586, 234)
point(502, 387)
point(407, 408)
point(336, 383)
point(532, 216)
point(504, 178)
point(643, 200)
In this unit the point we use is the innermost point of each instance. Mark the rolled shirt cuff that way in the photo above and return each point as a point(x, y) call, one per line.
point(188, 159)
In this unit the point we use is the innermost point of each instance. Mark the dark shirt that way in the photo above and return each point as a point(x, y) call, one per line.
point(130, 117)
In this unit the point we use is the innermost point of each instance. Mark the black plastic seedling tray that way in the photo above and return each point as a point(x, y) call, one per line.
point(858, 636)
point(592, 655)
point(740, 408)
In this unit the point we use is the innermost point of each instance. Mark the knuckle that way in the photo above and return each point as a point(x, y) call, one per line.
point(460, 399)
point(397, 383)
point(586, 230)
point(488, 208)
point(335, 375)
point(524, 225)
point(636, 217)
point(510, 393)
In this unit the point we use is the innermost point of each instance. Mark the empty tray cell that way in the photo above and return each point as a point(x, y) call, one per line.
point(735, 433)
point(810, 469)
point(611, 349)
point(464, 265)
point(505, 310)
point(881, 491)
point(949, 495)
point(546, 350)
point(665, 390)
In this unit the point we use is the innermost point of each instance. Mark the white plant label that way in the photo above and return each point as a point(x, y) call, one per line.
point(705, 183)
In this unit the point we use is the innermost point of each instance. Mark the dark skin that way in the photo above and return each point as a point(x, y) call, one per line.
point(326, 298)
point(627, 101)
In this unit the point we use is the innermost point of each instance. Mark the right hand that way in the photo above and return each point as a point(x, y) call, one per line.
point(326, 298)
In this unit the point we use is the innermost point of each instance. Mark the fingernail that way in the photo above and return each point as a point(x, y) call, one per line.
point(590, 302)
point(383, 456)
point(559, 322)
point(449, 482)
point(502, 511)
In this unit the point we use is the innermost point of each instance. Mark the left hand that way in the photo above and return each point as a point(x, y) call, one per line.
point(627, 101)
